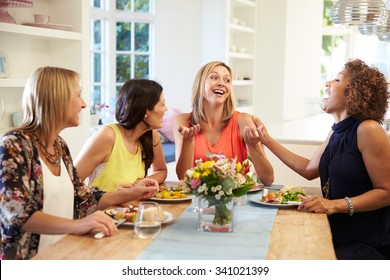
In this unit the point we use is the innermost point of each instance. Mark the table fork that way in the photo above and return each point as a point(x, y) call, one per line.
point(101, 234)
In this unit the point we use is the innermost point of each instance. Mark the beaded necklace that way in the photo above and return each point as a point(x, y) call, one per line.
point(52, 158)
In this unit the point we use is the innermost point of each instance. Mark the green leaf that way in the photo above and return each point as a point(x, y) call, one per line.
point(227, 184)
point(243, 190)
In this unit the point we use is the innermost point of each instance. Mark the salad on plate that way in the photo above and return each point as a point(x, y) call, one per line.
point(176, 191)
point(287, 195)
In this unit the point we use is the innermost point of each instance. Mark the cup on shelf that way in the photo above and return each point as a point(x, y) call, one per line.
point(40, 18)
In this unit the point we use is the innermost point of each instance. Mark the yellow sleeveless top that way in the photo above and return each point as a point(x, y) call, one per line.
point(122, 167)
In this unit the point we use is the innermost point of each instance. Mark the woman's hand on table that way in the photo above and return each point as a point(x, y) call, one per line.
point(97, 221)
point(315, 204)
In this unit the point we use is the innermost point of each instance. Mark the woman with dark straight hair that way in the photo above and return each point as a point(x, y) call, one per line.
point(120, 154)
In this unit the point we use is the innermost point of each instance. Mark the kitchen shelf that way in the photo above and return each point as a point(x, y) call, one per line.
point(6, 82)
point(30, 47)
point(38, 32)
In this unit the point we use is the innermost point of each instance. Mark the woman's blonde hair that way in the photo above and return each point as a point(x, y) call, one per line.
point(46, 99)
point(198, 93)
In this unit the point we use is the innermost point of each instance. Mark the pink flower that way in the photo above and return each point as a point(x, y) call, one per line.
point(195, 183)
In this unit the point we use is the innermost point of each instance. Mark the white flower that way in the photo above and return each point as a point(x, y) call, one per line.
point(189, 173)
point(240, 178)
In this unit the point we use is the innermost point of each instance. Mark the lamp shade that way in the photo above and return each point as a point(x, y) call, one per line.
point(385, 27)
point(359, 12)
point(384, 37)
point(367, 29)
point(4, 4)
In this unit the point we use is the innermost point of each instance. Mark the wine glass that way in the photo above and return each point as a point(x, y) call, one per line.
point(147, 223)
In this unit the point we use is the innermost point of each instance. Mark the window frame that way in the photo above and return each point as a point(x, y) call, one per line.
point(109, 16)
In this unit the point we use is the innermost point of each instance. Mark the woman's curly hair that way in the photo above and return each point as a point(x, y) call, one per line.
point(367, 91)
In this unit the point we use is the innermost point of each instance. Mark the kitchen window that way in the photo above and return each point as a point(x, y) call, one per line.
point(121, 49)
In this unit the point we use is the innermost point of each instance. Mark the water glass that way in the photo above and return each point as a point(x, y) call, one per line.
point(195, 203)
point(147, 223)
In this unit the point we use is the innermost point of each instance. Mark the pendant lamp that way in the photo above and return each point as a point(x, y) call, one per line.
point(367, 29)
point(383, 31)
point(359, 12)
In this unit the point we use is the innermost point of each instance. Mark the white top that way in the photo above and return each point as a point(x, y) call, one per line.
point(58, 198)
point(95, 173)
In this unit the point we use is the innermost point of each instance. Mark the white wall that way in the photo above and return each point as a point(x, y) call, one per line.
point(177, 49)
point(270, 74)
point(302, 82)
point(288, 55)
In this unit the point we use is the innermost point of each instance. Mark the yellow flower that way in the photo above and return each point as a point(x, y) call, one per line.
point(238, 167)
point(208, 164)
point(206, 173)
point(196, 175)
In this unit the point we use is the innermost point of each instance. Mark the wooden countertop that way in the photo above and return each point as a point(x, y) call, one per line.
point(295, 235)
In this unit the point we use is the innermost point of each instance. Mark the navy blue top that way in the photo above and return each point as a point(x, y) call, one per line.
point(343, 165)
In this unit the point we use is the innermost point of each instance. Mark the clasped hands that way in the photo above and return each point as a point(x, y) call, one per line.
point(252, 135)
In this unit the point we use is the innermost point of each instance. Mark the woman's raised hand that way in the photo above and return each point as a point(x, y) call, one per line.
point(189, 132)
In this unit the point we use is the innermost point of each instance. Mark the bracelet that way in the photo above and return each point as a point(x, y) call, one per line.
point(350, 206)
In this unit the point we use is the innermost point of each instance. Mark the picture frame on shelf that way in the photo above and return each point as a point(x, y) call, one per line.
point(4, 66)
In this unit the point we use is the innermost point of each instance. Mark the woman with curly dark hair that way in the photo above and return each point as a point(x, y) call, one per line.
point(120, 154)
point(353, 163)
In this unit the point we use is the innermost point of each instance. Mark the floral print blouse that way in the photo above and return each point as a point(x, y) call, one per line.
point(21, 193)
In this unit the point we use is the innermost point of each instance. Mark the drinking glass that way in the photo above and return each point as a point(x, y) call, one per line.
point(147, 222)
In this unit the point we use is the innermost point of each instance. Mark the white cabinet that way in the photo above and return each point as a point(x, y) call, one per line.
point(30, 47)
point(229, 35)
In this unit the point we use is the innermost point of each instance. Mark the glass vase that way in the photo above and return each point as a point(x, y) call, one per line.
point(220, 217)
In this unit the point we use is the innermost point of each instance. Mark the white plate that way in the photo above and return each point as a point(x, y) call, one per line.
point(188, 197)
point(171, 185)
point(168, 215)
point(50, 25)
point(256, 199)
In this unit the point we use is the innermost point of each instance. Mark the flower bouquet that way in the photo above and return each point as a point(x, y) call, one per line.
point(218, 181)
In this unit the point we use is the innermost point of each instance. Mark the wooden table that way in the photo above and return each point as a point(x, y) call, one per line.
point(295, 235)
